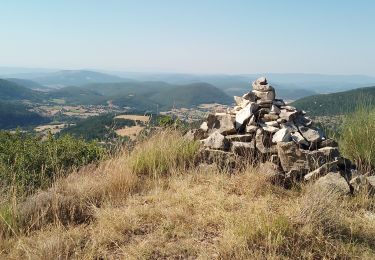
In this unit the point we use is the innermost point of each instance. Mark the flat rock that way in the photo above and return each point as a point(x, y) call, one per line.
point(216, 141)
point(240, 138)
point(321, 171)
point(272, 123)
point(246, 149)
point(270, 129)
point(288, 115)
point(328, 143)
point(270, 117)
point(310, 134)
point(298, 139)
point(244, 114)
point(283, 135)
point(251, 128)
point(223, 123)
point(265, 96)
point(331, 183)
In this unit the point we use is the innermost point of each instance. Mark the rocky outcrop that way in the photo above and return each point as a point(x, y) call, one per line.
point(263, 129)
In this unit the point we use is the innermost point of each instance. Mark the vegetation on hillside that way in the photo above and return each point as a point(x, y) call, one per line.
point(356, 137)
point(13, 115)
point(140, 205)
point(336, 103)
point(28, 163)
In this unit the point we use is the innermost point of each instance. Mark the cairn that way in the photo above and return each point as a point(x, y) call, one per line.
point(265, 130)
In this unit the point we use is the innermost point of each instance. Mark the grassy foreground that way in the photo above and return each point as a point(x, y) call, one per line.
point(154, 203)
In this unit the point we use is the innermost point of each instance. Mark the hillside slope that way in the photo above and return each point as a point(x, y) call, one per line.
point(13, 91)
point(153, 203)
point(336, 103)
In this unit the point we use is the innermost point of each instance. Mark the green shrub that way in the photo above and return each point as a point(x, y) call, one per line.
point(357, 140)
point(29, 163)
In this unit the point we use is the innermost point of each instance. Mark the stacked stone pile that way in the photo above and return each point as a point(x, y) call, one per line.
point(265, 130)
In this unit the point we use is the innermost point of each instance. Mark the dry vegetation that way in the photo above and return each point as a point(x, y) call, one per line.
point(155, 204)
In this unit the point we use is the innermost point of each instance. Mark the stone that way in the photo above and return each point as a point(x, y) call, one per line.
point(302, 121)
point(283, 135)
point(290, 126)
point(363, 184)
point(298, 171)
point(224, 160)
point(246, 149)
point(265, 104)
point(270, 129)
point(261, 81)
point(288, 115)
point(272, 172)
point(204, 126)
point(251, 129)
point(317, 158)
point(263, 142)
point(244, 114)
point(241, 102)
point(250, 96)
point(275, 110)
point(310, 134)
point(195, 134)
point(224, 124)
point(216, 141)
point(270, 117)
point(328, 143)
point(278, 102)
point(298, 139)
point(272, 123)
point(265, 96)
point(321, 171)
point(332, 183)
point(240, 138)
point(289, 154)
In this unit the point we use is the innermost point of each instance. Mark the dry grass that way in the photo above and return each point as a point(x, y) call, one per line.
point(119, 211)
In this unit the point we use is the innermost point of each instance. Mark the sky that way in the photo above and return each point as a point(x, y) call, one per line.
point(191, 36)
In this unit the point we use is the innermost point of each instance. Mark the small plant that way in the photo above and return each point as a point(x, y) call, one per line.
point(357, 137)
point(163, 153)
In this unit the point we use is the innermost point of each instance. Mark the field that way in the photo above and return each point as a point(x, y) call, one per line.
point(143, 119)
point(132, 131)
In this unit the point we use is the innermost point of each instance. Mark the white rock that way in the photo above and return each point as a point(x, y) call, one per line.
point(245, 114)
point(216, 141)
point(283, 135)
point(271, 129)
point(272, 123)
point(204, 126)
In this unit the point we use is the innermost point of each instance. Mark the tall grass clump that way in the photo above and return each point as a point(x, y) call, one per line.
point(357, 140)
point(163, 153)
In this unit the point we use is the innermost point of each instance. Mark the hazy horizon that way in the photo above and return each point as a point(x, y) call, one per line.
point(195, 37)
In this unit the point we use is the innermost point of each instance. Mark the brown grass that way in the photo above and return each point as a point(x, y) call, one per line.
point(117, 211)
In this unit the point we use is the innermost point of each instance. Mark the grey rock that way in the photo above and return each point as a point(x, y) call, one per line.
point(250, 96)
point(216, 141)
point(246, 149)
point(251, 128)
point(263, 141)
point(288, 115)
point(283, 135)
point(240, 138)
point(196, 134)
point(270, 117)
point(321, 171)
point(278, 102)
point(289, 154)
point(298, 139)
point(328, 143)
point(270, 129)
point(331, 183)
point(265, 96)
point(275, 109)
point(310, 134)
point(224, 124)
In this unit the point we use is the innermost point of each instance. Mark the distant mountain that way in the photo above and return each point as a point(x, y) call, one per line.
point(152, 94)
point(77, 95)
point(13, 91)
point(13, 115)
point(28, 83)
point(235, 84)
point(336, 103)
point(75, 78)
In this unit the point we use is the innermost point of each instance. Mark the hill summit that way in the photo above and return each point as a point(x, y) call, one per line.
point(279, 136)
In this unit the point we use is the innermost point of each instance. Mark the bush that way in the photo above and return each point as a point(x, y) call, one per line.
point(28, 163)
point(163, 153)
point(357, 140)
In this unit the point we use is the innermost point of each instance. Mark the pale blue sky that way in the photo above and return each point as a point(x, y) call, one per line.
point(198, 36)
